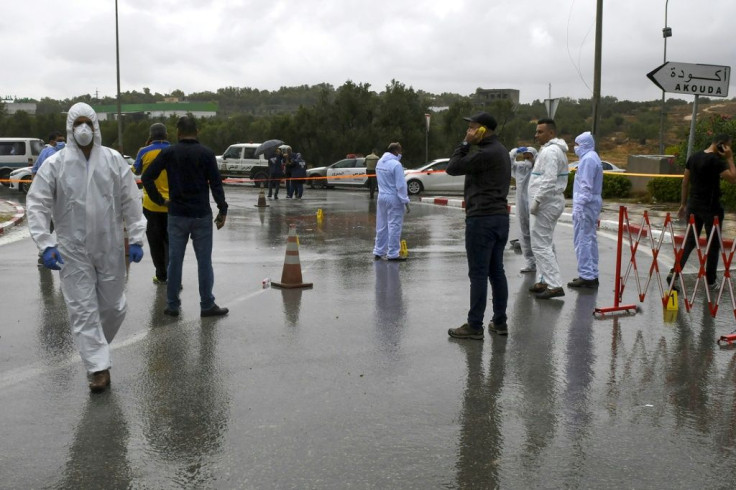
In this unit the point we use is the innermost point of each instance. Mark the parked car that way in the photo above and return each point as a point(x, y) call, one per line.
point(239, 160)
point(432, 178)
point(607, 166)
point(20, 179)
point(17, 153)
point(349, 171)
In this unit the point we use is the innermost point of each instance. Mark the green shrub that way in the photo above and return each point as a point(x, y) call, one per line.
point(614, 186)
point(664, 189)
point(570, 180)
point(728, 196)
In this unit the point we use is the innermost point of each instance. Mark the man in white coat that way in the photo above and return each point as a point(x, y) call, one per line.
point(89, 192)
point(586, 206)
point(521, 171)
point(392, 200)
point(546, 203)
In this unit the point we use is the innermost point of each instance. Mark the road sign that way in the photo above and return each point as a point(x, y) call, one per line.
point(551, 106)
point(691, 78)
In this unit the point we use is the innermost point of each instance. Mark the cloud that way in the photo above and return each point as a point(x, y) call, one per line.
point(431, 45)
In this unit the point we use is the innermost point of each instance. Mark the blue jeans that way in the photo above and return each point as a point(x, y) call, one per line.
point(485, 240)
point(200, 229)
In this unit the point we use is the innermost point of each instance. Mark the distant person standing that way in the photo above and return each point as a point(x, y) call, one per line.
point(546, 203)
point(288, 167)
point(487, 179)
point(370, 169)
point(157, 216)
point(393, 201)
point(89, 191)
point(701, 197)
point(586, 206)
point(192, 172)
point(55, 143)
point(275, 173)
point(298, 173)
point(521, 171)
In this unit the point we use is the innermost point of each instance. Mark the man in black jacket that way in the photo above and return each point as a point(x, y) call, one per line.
point(487, 180)
point(192, 172)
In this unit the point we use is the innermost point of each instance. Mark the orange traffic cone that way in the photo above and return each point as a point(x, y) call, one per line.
point(291, 276)
point(262, 200)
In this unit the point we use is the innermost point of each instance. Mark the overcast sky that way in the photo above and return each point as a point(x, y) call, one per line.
point(64, 49)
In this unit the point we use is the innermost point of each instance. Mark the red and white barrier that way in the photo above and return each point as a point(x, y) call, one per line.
point(655, 240)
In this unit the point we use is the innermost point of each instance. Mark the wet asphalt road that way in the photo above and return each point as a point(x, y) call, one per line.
point(354, 383)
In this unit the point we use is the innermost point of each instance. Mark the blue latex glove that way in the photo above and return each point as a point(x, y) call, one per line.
point(52, 258)
point(522, 149)
point(135, 253)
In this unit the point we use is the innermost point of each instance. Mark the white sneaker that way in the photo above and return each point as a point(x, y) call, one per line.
point(529, 268)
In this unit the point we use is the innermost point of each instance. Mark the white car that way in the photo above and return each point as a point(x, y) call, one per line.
point(433, 178)
point(607, 167)
point(349, 171)
point(240, 160)
point(20, 179)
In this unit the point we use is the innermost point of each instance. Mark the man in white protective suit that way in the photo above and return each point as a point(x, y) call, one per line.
point(89, 192)
point(521, 171)
point(546, 203)
point(393, 199)
point(586, 206)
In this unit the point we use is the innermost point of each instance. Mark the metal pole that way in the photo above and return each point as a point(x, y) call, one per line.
point(426, 137)
point(597, 68)
point(117, 61)
point(665, 34)
point(691, 138)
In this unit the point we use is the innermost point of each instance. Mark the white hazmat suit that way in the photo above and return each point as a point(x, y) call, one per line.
point(521, 171)
point(586, 205)
point(546, 202)
point(88, 200)
point(392, 199)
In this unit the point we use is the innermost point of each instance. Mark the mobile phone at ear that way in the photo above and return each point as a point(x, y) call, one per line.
point(720, 148)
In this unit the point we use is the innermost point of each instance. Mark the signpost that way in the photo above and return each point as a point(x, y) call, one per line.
point(694, 79)
point(426, 137)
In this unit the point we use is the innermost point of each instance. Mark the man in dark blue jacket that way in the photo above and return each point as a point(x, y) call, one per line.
point(192, 172)
point(487, 180)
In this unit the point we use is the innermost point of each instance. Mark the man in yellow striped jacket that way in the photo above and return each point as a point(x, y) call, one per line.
point(156, 215)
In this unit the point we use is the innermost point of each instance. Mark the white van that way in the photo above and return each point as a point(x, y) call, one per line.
point(239, 160)
point(17, 153)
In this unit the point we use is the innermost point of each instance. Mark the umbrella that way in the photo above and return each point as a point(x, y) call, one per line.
point(268, 146)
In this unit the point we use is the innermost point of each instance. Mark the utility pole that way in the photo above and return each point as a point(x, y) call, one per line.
point(597, 69)
point(117, 61)
point(666, 32)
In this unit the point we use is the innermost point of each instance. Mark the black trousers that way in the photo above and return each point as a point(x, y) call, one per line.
point(704, 219)
point(372, 184)
point(158, 240)
point(274, 183)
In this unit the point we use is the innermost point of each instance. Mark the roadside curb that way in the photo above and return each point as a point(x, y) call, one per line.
point(20, 213)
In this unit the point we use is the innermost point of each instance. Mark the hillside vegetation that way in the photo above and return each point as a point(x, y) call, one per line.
point(324, 123)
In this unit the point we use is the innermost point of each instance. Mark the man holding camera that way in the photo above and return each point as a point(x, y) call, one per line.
point(487, 179)
point(701, 197)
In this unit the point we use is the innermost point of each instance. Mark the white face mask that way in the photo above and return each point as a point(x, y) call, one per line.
point(578, 151)
point(83, 134)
